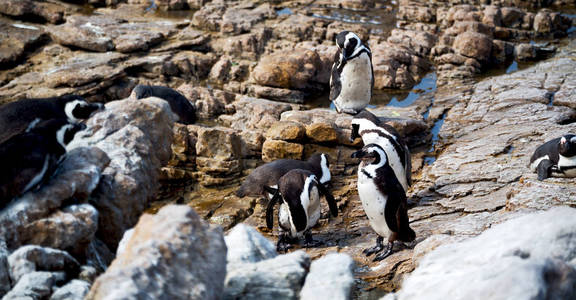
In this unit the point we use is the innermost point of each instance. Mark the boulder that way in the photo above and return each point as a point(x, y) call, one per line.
point(331, 276)
point(474, 45)
point(33, 10)
point(322, 132)
point(74, 290)
point(253, 113)
point(171, 255)
point(4, 269)
point(291, 70)
point(286, 131)
point(209, 17)
point(28, 259)
point(238, 20)
point(15, 40)
point(275, 149)
point(210, 103)
point(36, 285)
point(246, 245)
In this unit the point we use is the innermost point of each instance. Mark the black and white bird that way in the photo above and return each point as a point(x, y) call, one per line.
point(299, 196)
point(266, 176)
point(179, 104)
point(383, 199)
point(16, 117)
point(556, 157)
point(367, 126)
point(28, 159)
point(352, 77)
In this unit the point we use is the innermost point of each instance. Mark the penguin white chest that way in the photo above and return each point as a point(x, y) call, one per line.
point(393, 156)
point(309, 205)
point(373, 203)
point(356, 80)
point(569, 163)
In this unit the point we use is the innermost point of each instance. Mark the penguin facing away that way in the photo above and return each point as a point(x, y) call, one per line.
point(352, 76)
point(266, 176)
point(16, 117)
point(367, 126)
point(383, 200)
point(179, 104)
point(556, 157)
point(299, 196)
point(30, 158)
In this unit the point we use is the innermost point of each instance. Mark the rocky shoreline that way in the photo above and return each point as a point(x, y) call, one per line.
point(253, 69)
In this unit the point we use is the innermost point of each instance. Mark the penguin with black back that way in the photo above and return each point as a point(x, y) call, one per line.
point(556, 157)
point(352, 76)
point(262, 179)
point(299, 196)
point(383, 199)
point(372, 131)
point(30, 158)
point(16, 117)
point(179, 104)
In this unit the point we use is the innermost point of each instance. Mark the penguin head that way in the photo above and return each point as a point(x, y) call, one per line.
point(77, 108)
point(60, 129)
point(141, 91)
point(322, 162)
point(364, 120)
point(567, 145)
point(349, 45)
point(371, 154)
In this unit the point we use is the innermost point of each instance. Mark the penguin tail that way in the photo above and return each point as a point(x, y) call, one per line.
point(407, 234)
point(240, 192)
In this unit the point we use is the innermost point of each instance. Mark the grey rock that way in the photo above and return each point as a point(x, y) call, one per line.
point(46, 11)
point(246, 245)
point(171, 255)
point(4, 269)
point(331, 276)
point(36, 285)
point(28, 259)
point(281, 277)
point(74, 290)
point(16, 40)
point(253, 113)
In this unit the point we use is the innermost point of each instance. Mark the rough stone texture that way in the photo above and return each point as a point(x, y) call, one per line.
point(280, 277)
point(28, 259)
point(15, 41)
point(239, 20)
point(4, 269)
point(534, 262)
point(136, 135)
point(253, 113)
point(74, 290)
point(288, 70)
point(286, 131)
point(321, 132)
point(331, 276)
point(78, 176)
point(46, 11)
point(36, 285)
point(171, 255)
point(246, 245)
point(475, 45)
point(275, 149)
point(210, 103)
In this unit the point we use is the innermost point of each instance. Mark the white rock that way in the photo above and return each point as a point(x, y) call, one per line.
point(246, 245)
point(74, 290)
point(331, 277)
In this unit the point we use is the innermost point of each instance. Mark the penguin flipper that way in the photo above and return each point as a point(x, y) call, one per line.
point(335, 83)
point(270, 209)
point(544, 169)
point(396, 196)
point(329, 198)
point(408, 159)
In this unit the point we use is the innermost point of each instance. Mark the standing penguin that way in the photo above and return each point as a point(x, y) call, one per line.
point(299, 194)
point(352, 77)
point(180, 106)
point(555, 157)
point(266, 176)
point(30, 158)
point(15, 117)
point(383, 200)
point(367, 126)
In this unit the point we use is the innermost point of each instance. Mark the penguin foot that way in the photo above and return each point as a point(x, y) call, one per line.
point(379, 247)
point(310, 242)
point(283, 247)
point(386, 253)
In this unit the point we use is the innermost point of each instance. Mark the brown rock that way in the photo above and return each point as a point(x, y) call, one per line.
point(274, 149)
point(210, 103)
point(238, 20)
point(416, 14)
point(253, 113)
point(336, 27)
point(356, 4)
point(33, 10)
point(292, 70)
point(512, 17)
point(218, 143)
point(492, 16)
point(321, 132)
point(221, 69)
point(276, 94)
point(475, 45)
point(209, 17)
point(286, 131)
point(15, 41)
point(543, 23)
point(249, 45)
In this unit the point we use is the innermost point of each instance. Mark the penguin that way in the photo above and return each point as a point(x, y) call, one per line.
point(266, 176)
point(352, 76)
point(30, 158)
point(555, 157)
point(16, 117)
point(299, 196)
point(383, 200)
point(367, 126)
point(181, 106)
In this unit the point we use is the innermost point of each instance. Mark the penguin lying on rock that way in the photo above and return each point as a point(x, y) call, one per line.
point(299, 196)
point(352, 78)
point(180, 106)
point(555, 157)
point(267, 175)
point(383, 200)
point(30, 158)
point(15, 117)
point(367, 126)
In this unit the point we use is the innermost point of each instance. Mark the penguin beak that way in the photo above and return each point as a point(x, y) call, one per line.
point(358, 154)
point(563, 141)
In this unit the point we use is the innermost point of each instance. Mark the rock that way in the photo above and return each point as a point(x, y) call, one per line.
point(4, 269)
point(193, 65)
point(172, 4)
point(321, 132)
point(543, 23)
point(238, 20)
point(525, 52)
point(524, 267)
point(124, 241)
point(416, 14)
point(173, 254)
point(15, 40)
point(492, 16)
point(219, 143)
point(356, 4)
point(277, 94)
point(137, 135)
point(297, 28)
point(28, 259)
point(336, 27)
point(253, 113)
point(188, 38)
point(280, 277)
point(275, 149)
point(74, 290)
point(286, 131)
point(209, 17)
point(512, 17)
point(246, 245)
point(36, 285)
point(250, 45)
point(221, 70)
point(331, 276)
point(33, 10)
point(210, 103)
point(474, 45)
point(78, 176)
point(290, 70)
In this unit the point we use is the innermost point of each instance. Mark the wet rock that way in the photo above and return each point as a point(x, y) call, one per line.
point(4, 269)
point(33, 10)
point(246, 245)
point(36, 285)
point(288, 69)
point(136, 135)
point(286, 131)
point(173, 254)
point(331, 276)
point(321, 132)
point(356, 4)
point(77, 177)
point(74, 290)
point(275, 149)
point(28, 259)
point(15, 40)
point(238, 20)
point(210, 103)
point(253, 113)
point(514, 269)
point(279, 277)
point(172, 4)
point(474, 45)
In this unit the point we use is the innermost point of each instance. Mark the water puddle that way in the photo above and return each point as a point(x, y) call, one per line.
point(284, 12)
point(430, 156)
point(427, 85)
